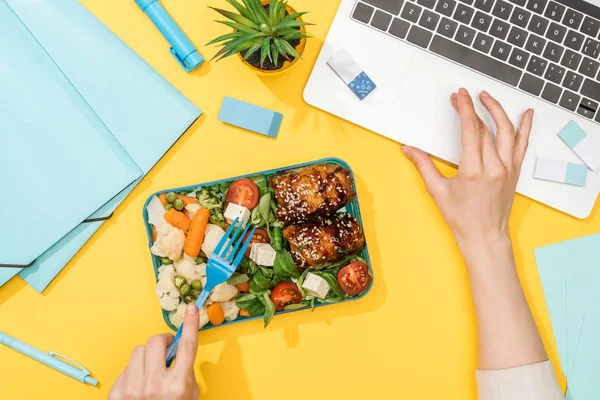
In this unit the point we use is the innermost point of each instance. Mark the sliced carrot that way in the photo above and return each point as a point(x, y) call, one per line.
point(177, 219)
point(154, 233)
point(187, 200)
point(215, 314)
point(244, 312)
point(243, 287)
point(163, 198)
point(195, 237)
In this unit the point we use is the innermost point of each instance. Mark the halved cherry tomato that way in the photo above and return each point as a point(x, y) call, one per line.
point(354, 277)
point(243, 192)
point(284, 294)
point(260, 236)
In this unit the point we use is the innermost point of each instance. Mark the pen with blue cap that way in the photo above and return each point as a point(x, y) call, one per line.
point(50, 359)
point(181, 47)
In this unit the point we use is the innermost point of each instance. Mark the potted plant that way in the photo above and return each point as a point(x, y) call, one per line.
point(269, 36)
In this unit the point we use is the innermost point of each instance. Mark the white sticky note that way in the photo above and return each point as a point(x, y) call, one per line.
point(587, 147)
point(344, 65)
point(560, 171)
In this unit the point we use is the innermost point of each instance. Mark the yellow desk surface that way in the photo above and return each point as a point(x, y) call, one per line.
point(413, 337)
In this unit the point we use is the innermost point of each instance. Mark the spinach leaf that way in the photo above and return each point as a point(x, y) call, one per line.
point(331, 280)
point(236, 279)
point(260, 281)
point(269, 308)
point(301, 280)
point(298, 306)
point(245, 300)
point(261, 183)
point(285, 266)
point(255, 308)
point(224, 187)
point(264, 206)
point(337, 264)
point(248, 266)
point(256, 219)
point(277, 239)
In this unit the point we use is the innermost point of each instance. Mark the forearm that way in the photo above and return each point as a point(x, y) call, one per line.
point(508, 336)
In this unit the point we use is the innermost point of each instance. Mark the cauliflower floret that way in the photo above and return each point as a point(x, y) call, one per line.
point(187, 268)
point(176, 316)
point(168, 294)
point(223, 292)
point(203, 317)
point(169, 243)
point(192, 208)
point(203, 280)
point(230, 310)
point(202, 269)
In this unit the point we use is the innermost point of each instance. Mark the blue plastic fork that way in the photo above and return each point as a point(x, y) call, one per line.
point(221, 265)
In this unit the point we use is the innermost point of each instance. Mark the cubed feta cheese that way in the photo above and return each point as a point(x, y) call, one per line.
point(263, 254)
point(212, 236)
point(234, 211)
point(315, 285)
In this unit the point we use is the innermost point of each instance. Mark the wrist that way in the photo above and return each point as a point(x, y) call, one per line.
point(492, 250)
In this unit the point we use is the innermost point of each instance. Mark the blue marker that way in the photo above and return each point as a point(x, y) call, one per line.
point(49, 359)
point(182, 49)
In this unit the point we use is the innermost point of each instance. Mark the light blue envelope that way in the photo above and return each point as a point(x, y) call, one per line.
point(583, 382)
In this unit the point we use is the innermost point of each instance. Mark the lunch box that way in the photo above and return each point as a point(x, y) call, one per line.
point(352, 208)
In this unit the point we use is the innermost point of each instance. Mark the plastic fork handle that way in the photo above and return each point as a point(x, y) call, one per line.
point(172, 349)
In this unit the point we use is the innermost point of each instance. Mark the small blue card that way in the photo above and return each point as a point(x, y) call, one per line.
point(362, 85)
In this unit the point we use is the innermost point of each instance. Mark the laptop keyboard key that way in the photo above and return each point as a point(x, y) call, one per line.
point(411, 12)
point(481, 21)
point(483, 43)
point(499, 29)
point(537, 6)
point(391, 6)
point(538, 25)
point(553, 52)
point(551, 93)
point(555, 73)
point(590, 26)
point(363, 12)
point(501, 50)
point(556, 33)
point(531, 84)
point(571, 60)
point(429, 20)
point(537, 66)
point(446, 7)
point(587, 108)
point(591, 48)
point(517, 36)
point(535, 44)
point(419, 36)
point(447, 27)
point(573, 81)
point(485, 5)
point(465, 35)
point(520, 17)
point(574, 40)
point(426, 3)
point(477, 61)
point(589, 67)
point(502, 10)
point(399, 28)
point(469, 2)
point(572, 19)
point(569, 100)
point(519, 58)
point(519, 2)
point(463, 14)
point(381, 20)
point(555, 11)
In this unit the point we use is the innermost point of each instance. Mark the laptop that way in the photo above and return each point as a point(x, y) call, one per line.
point(543, 54)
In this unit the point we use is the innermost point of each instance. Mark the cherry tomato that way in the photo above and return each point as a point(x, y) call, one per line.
point(284, 294)
point(260, 236)
point(354, 277)
point(243, 192)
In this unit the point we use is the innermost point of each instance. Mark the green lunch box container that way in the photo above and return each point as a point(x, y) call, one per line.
point(352, 208)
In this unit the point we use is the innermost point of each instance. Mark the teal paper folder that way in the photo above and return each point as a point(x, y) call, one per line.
point(87, 118)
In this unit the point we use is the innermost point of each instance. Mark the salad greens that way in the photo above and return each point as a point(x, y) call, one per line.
point(285, 266)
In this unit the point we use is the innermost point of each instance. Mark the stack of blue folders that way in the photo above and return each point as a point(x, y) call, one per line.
point(570, 273)
point(82, 120)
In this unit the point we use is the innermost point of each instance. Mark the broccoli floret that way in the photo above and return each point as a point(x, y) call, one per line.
point(216, 217)
point(209, 198)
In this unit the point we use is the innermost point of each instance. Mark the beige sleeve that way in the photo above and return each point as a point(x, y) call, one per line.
point(530, 382)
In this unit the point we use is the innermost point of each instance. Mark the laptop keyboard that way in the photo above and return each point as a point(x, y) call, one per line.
point(548, 49)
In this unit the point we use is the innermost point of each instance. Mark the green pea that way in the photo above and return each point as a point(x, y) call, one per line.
point(179, 281)
point(170, 197)
point(166, 261)
point(200, 260)
point(197, 284)
point(189, 299)
point(168, 206)
point(196, 293)
point(186, 289)
point(178, 204)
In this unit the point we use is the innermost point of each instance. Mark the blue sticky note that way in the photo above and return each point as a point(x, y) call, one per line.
point(583, 381)
point(572, 134)
point(576, 174)
point(362, 85)
point(248, 116)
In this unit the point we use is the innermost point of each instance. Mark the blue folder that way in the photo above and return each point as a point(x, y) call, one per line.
point(87, 118)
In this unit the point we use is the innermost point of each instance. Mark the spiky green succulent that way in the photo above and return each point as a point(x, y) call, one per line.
point(256, 30)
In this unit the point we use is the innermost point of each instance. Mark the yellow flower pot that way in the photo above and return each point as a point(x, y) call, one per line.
point(287, 65)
